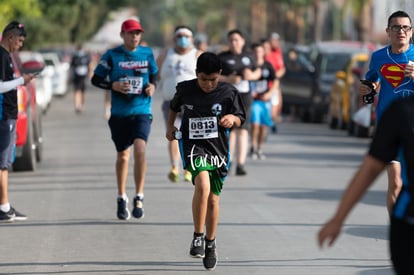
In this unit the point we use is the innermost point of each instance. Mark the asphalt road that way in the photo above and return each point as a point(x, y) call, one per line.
point(268, 221)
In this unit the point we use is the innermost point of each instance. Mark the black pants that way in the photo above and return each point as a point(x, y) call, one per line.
point(402, 247)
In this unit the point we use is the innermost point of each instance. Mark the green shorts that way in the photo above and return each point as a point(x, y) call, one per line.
point(216, 182)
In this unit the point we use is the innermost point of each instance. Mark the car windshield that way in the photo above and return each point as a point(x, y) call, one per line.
point(49, 62)
point(333, 62)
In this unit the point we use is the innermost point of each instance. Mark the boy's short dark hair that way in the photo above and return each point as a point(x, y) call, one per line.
point(256, 45)
point(235, 31)
point(398, 14)
point(208, 63)
point(15, 28)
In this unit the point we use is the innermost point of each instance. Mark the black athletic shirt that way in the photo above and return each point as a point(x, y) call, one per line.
point(201, 134)
point(395, 137)
point(8, 100)
point(235, 63)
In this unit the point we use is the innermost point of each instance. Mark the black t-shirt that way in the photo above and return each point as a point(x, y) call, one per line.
point(201, 134)
point(394, 137)
point(8, 100)
point(268, 76)
point(236, 63)
point(80, 64)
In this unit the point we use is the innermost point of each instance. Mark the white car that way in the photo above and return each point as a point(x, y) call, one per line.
point(61, 72)
point(43, 81)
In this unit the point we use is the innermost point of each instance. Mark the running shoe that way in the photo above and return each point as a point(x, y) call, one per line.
point(138, 208)
point(253, 153)
point(260, 155)
point(17, 215)
point(174, 176)
point(197, 247)
point(123, 212)
point(187, 176)
point(210, 259)
point(12, 215)
point(240, 171)
point(6, 216)
point(274, 129)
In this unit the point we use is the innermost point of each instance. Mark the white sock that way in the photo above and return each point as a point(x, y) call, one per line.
point(140, 195)
point(5, 207)
point(123, 196)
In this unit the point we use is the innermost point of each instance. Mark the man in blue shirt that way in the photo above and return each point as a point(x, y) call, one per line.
point(391, 73)
point(128, 71)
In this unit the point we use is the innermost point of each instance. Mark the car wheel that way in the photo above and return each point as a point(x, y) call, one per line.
point(38, 136)
point(360, 131)
point(315, 115)
point(350, 128)
point(27, 161)
point(333, 122)
point(304, 114)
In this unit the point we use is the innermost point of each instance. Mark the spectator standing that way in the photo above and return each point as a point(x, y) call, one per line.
point(388, 75)
point(80, 66)
point(177, 63)
point(239, 67)
point(210, 108)
point(131, 69)
point(12, 40)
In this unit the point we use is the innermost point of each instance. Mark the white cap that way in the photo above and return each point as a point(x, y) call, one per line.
point(275, 35)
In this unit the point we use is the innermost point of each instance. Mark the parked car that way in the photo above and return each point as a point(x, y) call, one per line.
point(44, 87)
point(61, 72)
point(340, 95)
point(299, 69)
point(309, 94)
point(29, 136)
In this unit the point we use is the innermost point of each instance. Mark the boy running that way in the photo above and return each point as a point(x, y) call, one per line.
point(210, 109)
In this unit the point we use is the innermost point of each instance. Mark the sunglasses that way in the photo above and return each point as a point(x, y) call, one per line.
point(397, 28)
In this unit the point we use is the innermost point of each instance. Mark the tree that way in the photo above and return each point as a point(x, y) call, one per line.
point(19, 10)
point(361, 14)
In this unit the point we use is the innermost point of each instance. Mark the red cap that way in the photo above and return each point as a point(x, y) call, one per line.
point(131, 25)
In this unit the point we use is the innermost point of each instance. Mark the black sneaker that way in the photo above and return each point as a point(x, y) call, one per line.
point(12, 215)
point(210, 259)
point(197, 247)
point(7, 216)
point(123, 212)
point(274, 129)
point(17, 215)
point(240, 171)
point(138, 208)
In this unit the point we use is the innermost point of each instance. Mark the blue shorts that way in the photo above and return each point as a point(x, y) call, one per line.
point(124, 130)
point(7, 142)
point(261, 113)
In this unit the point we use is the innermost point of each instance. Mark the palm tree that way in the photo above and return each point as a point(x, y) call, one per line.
point(362, 19)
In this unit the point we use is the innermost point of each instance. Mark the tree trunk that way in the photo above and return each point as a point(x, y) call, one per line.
point(231, 20)
point(258, 20)
point(317, 35)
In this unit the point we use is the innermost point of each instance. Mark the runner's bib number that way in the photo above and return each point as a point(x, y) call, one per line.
point(136, 83)
point(203, 128)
